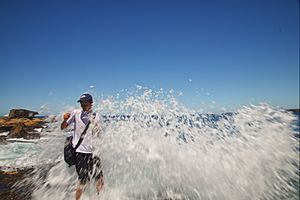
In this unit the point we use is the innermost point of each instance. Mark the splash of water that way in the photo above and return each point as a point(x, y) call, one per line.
point(152, 147)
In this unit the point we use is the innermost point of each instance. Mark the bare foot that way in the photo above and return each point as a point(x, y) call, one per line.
point(99, 185)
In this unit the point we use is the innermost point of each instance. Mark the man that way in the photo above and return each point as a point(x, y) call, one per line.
point(86, 165)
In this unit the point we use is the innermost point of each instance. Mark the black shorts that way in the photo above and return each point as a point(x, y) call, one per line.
point(88, 166)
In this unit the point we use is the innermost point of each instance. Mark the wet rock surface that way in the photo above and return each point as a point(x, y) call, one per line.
point(12, 186)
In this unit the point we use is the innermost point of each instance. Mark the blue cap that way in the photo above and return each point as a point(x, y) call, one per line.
point(86, 98)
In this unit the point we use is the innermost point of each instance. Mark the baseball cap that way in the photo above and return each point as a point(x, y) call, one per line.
point(86, 98)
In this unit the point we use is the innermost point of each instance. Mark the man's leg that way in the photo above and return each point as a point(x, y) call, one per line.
point(79, 190)
point(82, 167)
point(98, 174)
point(99, 184)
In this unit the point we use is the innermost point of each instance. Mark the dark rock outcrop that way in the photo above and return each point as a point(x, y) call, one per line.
point(295, 111)
point(21, 124)
point(4, 128)
point(21, 113)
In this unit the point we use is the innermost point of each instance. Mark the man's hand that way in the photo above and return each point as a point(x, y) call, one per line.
point(66, 116)
point(64, 124)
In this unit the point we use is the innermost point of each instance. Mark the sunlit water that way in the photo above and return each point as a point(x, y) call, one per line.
point(152, 147)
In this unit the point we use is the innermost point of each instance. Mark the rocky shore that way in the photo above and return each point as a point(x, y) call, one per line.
point(21, 123)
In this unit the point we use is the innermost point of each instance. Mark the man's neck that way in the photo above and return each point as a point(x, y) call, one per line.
point(87, 111)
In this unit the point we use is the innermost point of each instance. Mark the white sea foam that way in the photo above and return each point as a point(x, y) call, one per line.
point(164, 150)
point(4, 133)
point(19, 152)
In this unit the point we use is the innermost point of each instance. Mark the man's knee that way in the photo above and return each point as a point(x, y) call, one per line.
point(80, 187)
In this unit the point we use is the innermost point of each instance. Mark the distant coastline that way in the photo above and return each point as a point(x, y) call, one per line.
point(296, 110)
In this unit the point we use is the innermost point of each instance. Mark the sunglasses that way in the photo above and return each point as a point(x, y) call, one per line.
point(85, 103)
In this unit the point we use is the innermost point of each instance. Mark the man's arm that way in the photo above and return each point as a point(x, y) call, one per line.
point(96, 126)
point(96, 130)
point(65, 124)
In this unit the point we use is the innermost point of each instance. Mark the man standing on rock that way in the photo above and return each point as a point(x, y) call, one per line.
point(86, 165)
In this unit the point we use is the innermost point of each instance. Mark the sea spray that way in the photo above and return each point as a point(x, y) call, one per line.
point(153, 147)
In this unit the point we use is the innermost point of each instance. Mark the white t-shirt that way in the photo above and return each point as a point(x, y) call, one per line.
point(78, 117)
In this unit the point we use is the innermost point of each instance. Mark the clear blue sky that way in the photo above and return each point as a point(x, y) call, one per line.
point(230, 52)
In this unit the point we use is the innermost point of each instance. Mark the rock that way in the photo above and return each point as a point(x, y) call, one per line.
point(13, 185)
point(35, 122)
point(3, 140)
point(20, 130)
point(295, 111)
point(5, 128)
point(22, 127)
point(21, 113)
point(3, 120)
point(30, 136)
point(17, 131)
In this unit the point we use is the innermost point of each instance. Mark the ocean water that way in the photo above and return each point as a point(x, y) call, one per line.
point(153, 147)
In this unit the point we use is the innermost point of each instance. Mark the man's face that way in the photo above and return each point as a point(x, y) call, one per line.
point(86, 106)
